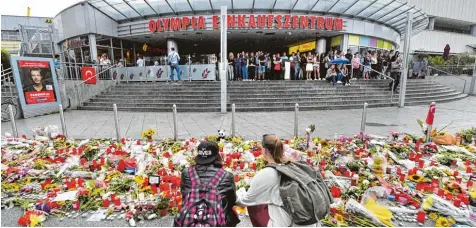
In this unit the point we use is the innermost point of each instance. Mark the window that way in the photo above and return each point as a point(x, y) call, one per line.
point(10, 35)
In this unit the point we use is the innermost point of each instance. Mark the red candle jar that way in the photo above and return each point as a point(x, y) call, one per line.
point(419, 186)
point(237, 178)
point(465, 199)
point(421, 217)
point(469, 170)
point(449, 196)
point(154, 189)
point(411, 156)
point(421, 164)
point(455, 173)
point(242, 165)
point(469, 184)
point(399, 171)
point(76, 205)
point(410, 172)
point(435, 182)
point(441, 193)
point(402, 177)
point(105, 203)
point(453, 162)
point(308, 161)
point(117, 202)
point(235, 165)
point(253, 166)
point(457, 202)
point(287, 141)
point(309, 153)
point(458, 179)
point(171, 167)
point(467, 162)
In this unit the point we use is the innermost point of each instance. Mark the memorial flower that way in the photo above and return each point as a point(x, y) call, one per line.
point(442, 222)
point(416, 178)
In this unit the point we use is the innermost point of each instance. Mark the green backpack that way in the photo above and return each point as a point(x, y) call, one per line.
point(305, 195)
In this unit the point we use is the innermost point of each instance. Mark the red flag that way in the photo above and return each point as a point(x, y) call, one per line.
point(431, 114)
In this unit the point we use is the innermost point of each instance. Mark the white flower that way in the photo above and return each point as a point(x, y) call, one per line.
point(366, 182)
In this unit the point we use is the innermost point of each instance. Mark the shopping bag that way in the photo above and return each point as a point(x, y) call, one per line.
point(259, 215)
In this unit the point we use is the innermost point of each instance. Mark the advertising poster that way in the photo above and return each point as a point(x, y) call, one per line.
point(37, 81)
point(37, 85)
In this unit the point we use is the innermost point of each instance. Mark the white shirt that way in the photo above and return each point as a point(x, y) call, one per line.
point(264, 189)
point(140, 62)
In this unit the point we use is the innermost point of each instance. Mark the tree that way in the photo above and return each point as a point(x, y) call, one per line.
point(436, 60)
point(5, 59)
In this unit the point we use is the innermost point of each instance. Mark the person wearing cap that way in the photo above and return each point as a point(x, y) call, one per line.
point(208, 161)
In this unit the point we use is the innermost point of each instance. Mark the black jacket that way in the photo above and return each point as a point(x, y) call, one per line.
point(226, 188)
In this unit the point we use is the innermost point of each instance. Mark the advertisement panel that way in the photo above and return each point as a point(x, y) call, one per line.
point(36, 80)
point(202, 72)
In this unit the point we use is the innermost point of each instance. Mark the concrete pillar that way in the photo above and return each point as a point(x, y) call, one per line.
point(473, 30)
point(172, 44)
point(93, 49)
point(321, 45)
point(431, 25)
point(345, 43)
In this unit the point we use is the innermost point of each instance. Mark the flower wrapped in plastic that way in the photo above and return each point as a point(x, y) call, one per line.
point(442, 206)
point(354, 207)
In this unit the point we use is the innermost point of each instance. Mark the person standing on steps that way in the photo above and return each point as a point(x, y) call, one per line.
point(173, 59)
point(396, 64)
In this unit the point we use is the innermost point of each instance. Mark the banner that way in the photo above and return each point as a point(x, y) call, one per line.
point(201, 72)
point(305, 47)
point(37, 86)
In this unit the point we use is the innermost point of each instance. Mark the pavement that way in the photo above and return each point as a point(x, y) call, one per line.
point(83, 124)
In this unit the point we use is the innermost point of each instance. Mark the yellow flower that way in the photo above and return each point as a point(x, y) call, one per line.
point(34, 220)
point(451, 221)
point(246, 147)
point(415, 178)
point(68, 144)
point(433, 216)
point(140, 180)
point(220, 145)
point(442, 222)
point(339, 218)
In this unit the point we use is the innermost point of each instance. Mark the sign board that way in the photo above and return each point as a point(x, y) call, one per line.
point(240, 21)
point(305, 47)
point(198, 72)
point(37, 85)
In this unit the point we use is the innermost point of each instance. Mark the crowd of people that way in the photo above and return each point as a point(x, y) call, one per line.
point(251, 66)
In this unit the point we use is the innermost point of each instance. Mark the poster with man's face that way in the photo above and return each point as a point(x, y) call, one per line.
point(37, 81)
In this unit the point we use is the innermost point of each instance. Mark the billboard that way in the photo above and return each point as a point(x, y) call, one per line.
point(37, 86)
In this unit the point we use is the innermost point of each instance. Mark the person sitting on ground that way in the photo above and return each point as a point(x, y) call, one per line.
point(208, 165)
point(331, 75)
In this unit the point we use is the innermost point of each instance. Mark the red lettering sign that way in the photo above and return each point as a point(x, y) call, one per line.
point(261, 21)
point(320, 23)
point(185, 23)
point(313, 22)
point(33, 64)
point(269, 21)
point(338, 24)
point(175, 24)
point(215, 21)
point(241, 21)
point(252, 22)
point(152, 26)
point(295, 22)
point(88, 73)
point(40, 97)
point(230, 21)
point(329, 23)
point(279, 23)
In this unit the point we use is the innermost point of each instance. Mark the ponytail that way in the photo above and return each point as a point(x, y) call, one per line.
point(275, 147)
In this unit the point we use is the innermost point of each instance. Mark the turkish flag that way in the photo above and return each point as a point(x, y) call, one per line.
point(431, 114)
point(87, 74)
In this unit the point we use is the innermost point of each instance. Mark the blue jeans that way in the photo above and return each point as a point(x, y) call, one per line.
point(337, 78)
point(244, 72)
point(296, 73)
point(177, 68)
point(237, 72)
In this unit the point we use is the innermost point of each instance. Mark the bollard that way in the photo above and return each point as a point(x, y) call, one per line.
point(233, 119)
point(63, 124)
point(364, 120)
point(116, 122)
point(296, 119)
point(12, 119)
point(174, 107)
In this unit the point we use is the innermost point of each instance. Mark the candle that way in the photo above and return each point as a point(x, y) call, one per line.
point(402, 177)
point(253, 165)
point(458, 179)
point(154, 189)
point(449, 196)
point(441, 193)
point(237, 178)
point(308, 161)
point(242, 165)
point(469, 184)
point(421, 217)
point(105, 203)
point(76, 205)
point(421, 164)
point(435, 182)
point(117, 202)
point(309, 153)
point(419, 186)
point(467, 162)
point(457, 202)
point(455, 173)
point(399, 171)
point(469, 170)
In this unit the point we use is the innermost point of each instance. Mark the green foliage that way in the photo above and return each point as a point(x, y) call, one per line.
point(436, 60)
point(5, 59)
point(462, 58)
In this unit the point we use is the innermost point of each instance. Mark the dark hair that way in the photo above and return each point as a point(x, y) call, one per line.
point(394, 57)
point(56, 56)
point(35, 69)
point(173, 49)
point(275, 147)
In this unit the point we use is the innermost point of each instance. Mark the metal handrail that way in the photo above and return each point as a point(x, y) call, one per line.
point(385, 76)
point(6, 71)
point(458, 77)
point(78, 93)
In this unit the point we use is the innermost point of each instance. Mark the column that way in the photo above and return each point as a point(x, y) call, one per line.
point(345, 43)
point(93, 49)
point(321, 45)
point(223, 61)
point(172, 44)
point(406, 59)
point(431, 25)
point(473, 30)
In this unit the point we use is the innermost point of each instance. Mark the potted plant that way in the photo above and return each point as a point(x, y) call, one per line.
point(163, 206)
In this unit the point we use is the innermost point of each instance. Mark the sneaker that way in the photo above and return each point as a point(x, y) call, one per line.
point(339, 82)
point(348, 84)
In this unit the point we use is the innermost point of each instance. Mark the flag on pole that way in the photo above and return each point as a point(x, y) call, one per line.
point(431, 114)
point(28, 9)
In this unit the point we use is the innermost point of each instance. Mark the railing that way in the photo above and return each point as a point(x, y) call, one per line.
point(384, 76)
point(448, 74)
point(7, 80)
point(86, 91)
point(455, 69)
point(72, 71)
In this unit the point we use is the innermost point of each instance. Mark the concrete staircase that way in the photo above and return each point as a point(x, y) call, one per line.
point(265, 96)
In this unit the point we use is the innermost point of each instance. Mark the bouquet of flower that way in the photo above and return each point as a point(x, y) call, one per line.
point(442, 206)
point(147, 134)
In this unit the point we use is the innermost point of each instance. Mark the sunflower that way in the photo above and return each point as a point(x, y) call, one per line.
point(68, 144)
point(433, 216)
point(416, 178)
point(451, 221)
point(442, 222)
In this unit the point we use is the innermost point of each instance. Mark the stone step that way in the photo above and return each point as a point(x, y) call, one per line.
point(253, 86)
